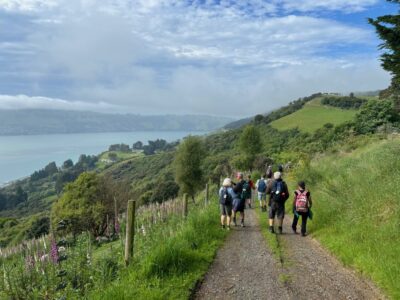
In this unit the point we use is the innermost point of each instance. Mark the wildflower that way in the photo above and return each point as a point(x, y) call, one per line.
point(117, 227)
point(61, 249)
point(54, 251)
point(29, 262)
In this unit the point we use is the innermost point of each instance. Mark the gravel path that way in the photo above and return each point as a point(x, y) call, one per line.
point(244, 268)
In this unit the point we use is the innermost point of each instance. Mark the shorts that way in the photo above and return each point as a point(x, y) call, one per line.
point(262, 196)
point(277, 209)
point(226, 210)
point(238, 205)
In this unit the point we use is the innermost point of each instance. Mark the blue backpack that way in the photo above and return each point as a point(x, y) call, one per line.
point(278, 192)
point(225, 197)
point(262, 186)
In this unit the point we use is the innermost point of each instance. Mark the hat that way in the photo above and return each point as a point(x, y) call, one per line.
point(227, 182)
point(277, 175)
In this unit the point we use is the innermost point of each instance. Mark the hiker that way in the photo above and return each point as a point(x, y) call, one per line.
point(301, 207)
point(226, 196)
point(279, 193)
point(248, 186)
point(239, 199)
point(269, 172)
point(261, 185)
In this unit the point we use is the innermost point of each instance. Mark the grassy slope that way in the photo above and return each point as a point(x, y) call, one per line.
point(357, 210)
point(313, 116)
point(168, 264)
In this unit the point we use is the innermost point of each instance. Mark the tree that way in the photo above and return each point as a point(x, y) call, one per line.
point(51, 168)
point(250, 145)
point(388, 30)
point(188, 160)
point(137, 146)
point(39, 227)
point(373, 115)
point(84, 205)
point(68, 164)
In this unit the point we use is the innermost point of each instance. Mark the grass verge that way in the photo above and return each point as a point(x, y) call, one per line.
point(357, 210)
point(169, 263)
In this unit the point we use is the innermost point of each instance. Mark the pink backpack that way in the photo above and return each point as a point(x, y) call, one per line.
point(301, 201)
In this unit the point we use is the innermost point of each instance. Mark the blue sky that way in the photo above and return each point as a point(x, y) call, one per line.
point(237, 58)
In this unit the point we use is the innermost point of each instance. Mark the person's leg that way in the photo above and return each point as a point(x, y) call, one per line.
point(294, 223)
point(228, 216)
point(280, 217)
point(271, 215)
point(304, 217)
point(242, 218)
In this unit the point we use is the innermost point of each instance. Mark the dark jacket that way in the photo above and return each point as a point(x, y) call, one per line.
point(238, 188)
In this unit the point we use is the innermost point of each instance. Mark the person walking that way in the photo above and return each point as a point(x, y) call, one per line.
point(248, 186)
point(261, 185)
point(279, 193)
point(239, 199)
point(226, 196)
point(301, 207)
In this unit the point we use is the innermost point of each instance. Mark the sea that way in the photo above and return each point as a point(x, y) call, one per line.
point(20, 155)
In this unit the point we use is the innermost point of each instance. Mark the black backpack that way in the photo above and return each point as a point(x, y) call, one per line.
point(226, 197)
point(278, 192)
point(246, 191)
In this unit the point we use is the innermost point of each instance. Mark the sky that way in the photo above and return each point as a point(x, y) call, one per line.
point(217, 57)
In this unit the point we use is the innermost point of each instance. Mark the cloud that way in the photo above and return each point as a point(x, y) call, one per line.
point(26, 102)
point(174, 56)
point(347, 6)
point(27, 5)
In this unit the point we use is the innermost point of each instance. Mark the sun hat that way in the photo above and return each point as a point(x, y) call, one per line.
point(277, 175)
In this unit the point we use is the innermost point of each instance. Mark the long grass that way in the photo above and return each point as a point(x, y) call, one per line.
point(313, 116)
point(357, 210)
point(169, 263)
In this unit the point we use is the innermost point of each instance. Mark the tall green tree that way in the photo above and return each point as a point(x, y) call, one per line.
point(84, 205)
point(388, 29)
point(188, 161)
point(250, 144)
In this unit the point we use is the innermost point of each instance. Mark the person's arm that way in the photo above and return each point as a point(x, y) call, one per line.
point(309, 200)
point(269, 187)
point(286, 191)
point(294, 199)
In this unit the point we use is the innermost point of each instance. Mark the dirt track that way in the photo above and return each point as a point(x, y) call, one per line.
point(245, 268)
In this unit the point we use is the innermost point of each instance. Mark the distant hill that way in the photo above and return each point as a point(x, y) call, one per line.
point(313, 116)
point(31, 121)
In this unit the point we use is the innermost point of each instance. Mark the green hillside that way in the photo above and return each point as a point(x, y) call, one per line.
point(357, 211)
point(313, 116)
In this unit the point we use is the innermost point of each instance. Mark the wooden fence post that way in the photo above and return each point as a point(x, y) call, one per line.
point(207, 193)
point(185, 205)
point(130, 231)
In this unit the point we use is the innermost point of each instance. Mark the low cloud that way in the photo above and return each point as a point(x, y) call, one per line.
point(171, 56)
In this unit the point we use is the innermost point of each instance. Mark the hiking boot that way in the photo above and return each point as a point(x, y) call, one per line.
point(280, 229)
point(223, 226)
point(294, 230)
point(304, 234)
point(271, 229)
point(242, 224)
point(234, 221)
point(228, 228)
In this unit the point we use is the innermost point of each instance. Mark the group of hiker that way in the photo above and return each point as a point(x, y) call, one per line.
point(272, 194)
